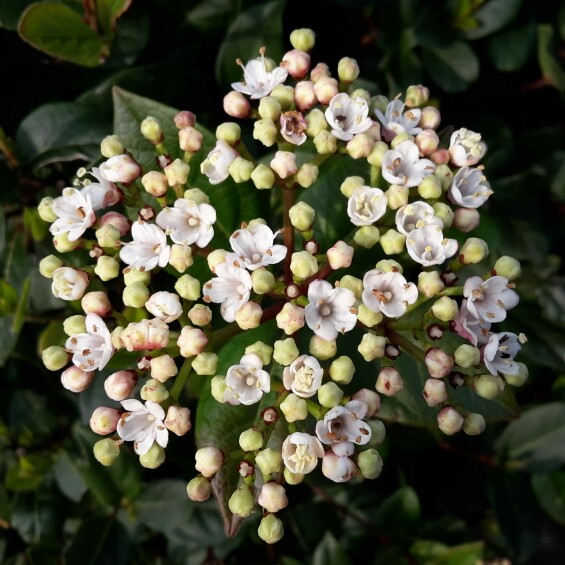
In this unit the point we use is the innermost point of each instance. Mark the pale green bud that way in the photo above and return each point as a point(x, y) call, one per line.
point(154, 458)
point(111, 146)
point(188, 287)
point(294, 408)
point(262, 350)
point(329, 395)
point(473, 251)
point(378, 432)
point(292, 478)
point(430, 283)
point(240, 170)
point(367, 317)
point(307, 175)
point(107, 268)
point(315, 122)
point(303, 39)
point(215, 258)
point(242, 501)
point(197, 196)
point(230, 132)
point(375, 157)
point(265, 131)
point(45, 210)
point(487, 386)
point(325, 143)
point(251, 440)
point(155, 183)
point(399, 138)
point(474, 424)
point(285, 351)
point(106, 451)
point(48, 265)
point(370, 463)
point(397, 196)
point(508, 267)
point(63, 245)
point(430, 188)
point(176, 172)
point(151, 130)
point(449, 420)
point(520, 378)
point(352, 283)
point(342, 369)
point(135, 295)
point(55, 358)
point(361, 93)
point(75, 325)
point(270, 529)
point(392, 242)
point(256, 222)
point(360, 146)
point(350, 184)
point(444, 213)
point(416, 95)
point(199, 489)
point(467, 356)
point(263, 281)
point(444, 175)
point(218, 388)
point(269, 461)
point(116, 335)
point(205, 363)
point(445, 309)
point(154, 390)
point(263, 177)
point(302, 216)
point(372, 347)
point(133, 275)
point(389, 265)
point(269, 108)
point(430, 118)
point(322, 349)
point(285, 95)
point(303, 264)
point(107, 236)
point(249, 315)
point(367, 236)
point(379, 102)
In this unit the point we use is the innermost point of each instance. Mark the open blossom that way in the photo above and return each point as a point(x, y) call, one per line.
point(303, 376)
point(164, 305)
point(293, 127)
point(427, 246)
point(415, 215)
point(75, 214)
point(403, 166)
point(395, 120)
point(217, 163)
point(301, 452)
point(257, 80)
point(93, 349)
point(348, 116)
point(466, 147)
point(469, 188)
point(499, 353)
point(145, 335)
point(102, 193)
point(366, 205)
point(470, 327)
point(489, 300)
point(231, 287)
point(143, 424)
point(187, 222)
point(330, 310)
point(255, 246)
point(148, 249)
point(246, 382)
point(338, 468)
point(120, 168)
point(388, 293)
point(69, 284)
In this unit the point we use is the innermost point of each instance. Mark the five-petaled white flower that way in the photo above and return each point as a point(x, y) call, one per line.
point(489, 300)
point(164, 305)
point(148, 249)
point(403, 166)
point(388, 293)
point(217, 163)
point(143, 425)
point(187, 222)
point(246, 382)
point(470, 327)
point(300, 452)
point(303, 376)
point(75, 213)
point(330, 311)
point(366, 205)
point(93, 349)
point(69, 284)
point(499, 353)
point(415, 215)
point(255, 246)
point(469, 188)
point(102, 193)
point(427, 246)
point(466, 147)
point(348, 116)
point(395, 120)
point(257, 80)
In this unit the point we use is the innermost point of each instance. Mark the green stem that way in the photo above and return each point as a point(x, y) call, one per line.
point(288, 201)
point(452, 291)
point(406, 345)
point(181, 379)
point(120, 318)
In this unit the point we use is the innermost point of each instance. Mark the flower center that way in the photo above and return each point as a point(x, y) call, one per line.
point(325, 310)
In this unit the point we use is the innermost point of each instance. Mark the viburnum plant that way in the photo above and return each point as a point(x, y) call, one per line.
point(164, 286)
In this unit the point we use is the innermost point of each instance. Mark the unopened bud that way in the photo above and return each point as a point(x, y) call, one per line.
point(191, 341)
point(263, 177)
point(205, 363)
point(108, 236)
point(347, 69)
point(218, 388)
point(325, 88)
point(135, 295)
point(350, 184)
point(389, 382)
point(292, 478)
point(197, 196)
point(270, 529)
point(190, 139)
point(322, 349)
point(375, 158)
point(163, 368)
point(378, 433)
point(296, 62)
point(55, 358)
point(200, 315)
point(303, 264)
point(294, 408)
point(104, 420)
point(151, 130)
point(434, 392)
point(120, 385)
point(155, 183)
point(111, 146)
point(340, 255)
point(76, 380)
point(367, 236)
point(449, 420)
point(397, 196)
point(269, 461)
point(132, 275)
point(388, 266)
point(473, 251)
point(262, 350)
point(367, 317)
point(304, 95)
point(416, 95)
point(392, 242)
point(315, 122)
point(444, 213)
point(236, 105)
point(342, 369)
point(272, 497)
point(269, 108)
point(107, 268)
point(74, 325)
point(321, 70)
point(154, 390)
point(63, 245)
point(445, 309)
point(263, 281)
point(325, 143)
point(427, 142)
point(176, 172)
point(444, 175)
point(188, 287)
point(307, 175)
point(474, 424)
point(487, 386)
point(199, 489)
point(242, 501)
point(508, 267)
point(285, 351)
point(303, 39)
point(354, 284)
point(154, 458)
point(45, 210)
point(466, 219)
point(106, 451)
point(249, 315)
point(96, 302)
point(467, 356)
point(285, 95)
point(430, 118)
point(370, 463)
point(430, 188)
point(302, 216)
point(230, 132)
point(400, 138)
point(185, 119)
point(519, 378)
point(209, 461)
point(430, 283)
point(291, 318)
point(438, 363)
point(251, 440)
point(48, 265)
point(241, 169)
point(329, 395)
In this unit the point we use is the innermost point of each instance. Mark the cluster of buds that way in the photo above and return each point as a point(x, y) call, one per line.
point(416, 188)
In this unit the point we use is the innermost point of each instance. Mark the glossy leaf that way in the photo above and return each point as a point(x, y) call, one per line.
point(453, 67)
point(398, 511)
point(329, 552)
point(492, 16)
point(464, 554)
point(549, 489)
point(547, 57)
point(27, 472)
point(10, 13)
point(108, 12)
point(511, 49)
point(211, 14)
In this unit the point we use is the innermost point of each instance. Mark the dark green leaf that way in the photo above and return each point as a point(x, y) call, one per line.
point(492, 16)
point(8, 298)
point(329, 552)
point(59, 31)
point(453, 67)
point(2, 231)
point(464, 554)
point(30, 417)
point(10, 13)
point(547, 57)
point(68, 478)
point(211, 14)
point(511, 49)
point(549, 489)
point(109, 11)
point(34, 224)
point(398, 511)
point(27, 472)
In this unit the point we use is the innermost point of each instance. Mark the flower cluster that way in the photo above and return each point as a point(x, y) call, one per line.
point(144, 226)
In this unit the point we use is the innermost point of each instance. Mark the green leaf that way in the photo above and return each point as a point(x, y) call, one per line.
point(535, 441)
point(464, 554)
point(27, 472)
point(8, 298)
point(68, 478)
point(29, 417)
point(211, 15)
point(109, 11)
point(398, 511)
point(2, 231)
point(547, 57)
point(511, 49)
point(260, 26)
point(11, 11)
point(549, 489)
point(329, 552)
point(34, 224)
point(59, 31)
point(492, 16)
point(453, 67)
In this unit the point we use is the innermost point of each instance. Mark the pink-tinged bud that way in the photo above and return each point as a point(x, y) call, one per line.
point(192, 341)
point(430, 118)
point(121, 168)
point(338, 468)
point(416, 95)
point(291, 318)
point(76, 380)
point(96, 302)
point(375, 133)
point(427, 142)
point(466, 219)
point(145, 335)
point(273, 497)
point(236, 105)
point(325, 89)
point(284, 164)
point(190, 139)
point(360, 146)
point(199, 489)
point(438, 362)
point(249, 315)
point(178, 420)
point(296, 62)
point(209, 461)
point(370, 398)
point(120, 385)
point(389, 381)
point(117, 220)
point(321, 70)
point(200, 315)
point(304, 96)
point(440, 156)
point(163, 368)
point(340, 255)
point(185, 119)
point(449, 421)
point(155, 183)
point(434, 392)
point(104, 420)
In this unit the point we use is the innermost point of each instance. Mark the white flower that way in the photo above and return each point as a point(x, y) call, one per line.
point(231, 288)
point(330, 310)
point(300, 452)
point(388, 293)
point(102, 193)
point(148, 249)
point(93, 349)
point(395, 120)
point(338, 468)
point(402, 166)
point(348, 116)
point(143, 425)
point(415, 215)
point(343, 426)
point(188, 222)
point(470, 327)
point(217, 163)
point(427, 246)
point(164, 305)
point(489, 300)
point(466, 147)
point(293, 127)
point(145, 335)
point(257, 80)
point(499, 353)
point(255, 246)
point(366, 205)
point(469, 188)
point(246, 382)
point(304, 376)
point(69, 284)
point(120, 168)
point(75, 214)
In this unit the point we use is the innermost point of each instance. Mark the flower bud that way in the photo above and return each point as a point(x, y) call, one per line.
point(106, 451)
point(440, 157)
point(474, 424)
point(188, 287)
point(303, 265)
point(135, 295)
point(132, 275)
point(449, 420)
point(55, 358)
point(389, 381)
point(520, 378)
point(218, 388)
point(285, 95)
point(367, 236)
point(304, 95)
point(197, 196)
point(360, 146)
point(322, 349)
point(108, 236)
point(154, 458)
point(284, 164)
point(487, 386)
point(370, 398)
point(347, 69)
point(467, 356)
point(190, 139)
point(263, 177)
point(251, 440)
point(466, 219)
point(370, 463)
point(430, 188)
point(191, 341)
point(48, 265)
point(236, 105)
point(270, 529)
point(269, 461)
point(96, 302)
point(430, 284)
point(151, 130)
point(320, 71)
point(445, 309)
point(242, 501)
point(399, 138)
point(302, 216)
point(230, 132)
point(353, 284)
point(163, 368)
point(200, 315)
point(303, 39)
point(350, 184)
point(262, 350)
point(372, 347)
point(367, 317)
point(315, 122)
point(416, 95)
point(74, 325)
point(199, 489)
point(265, 131)
point(263, 281)
point(438, 363)
point(63, 245)
point(378, 433)
point(392, 242)
point(329, 395)
point(205, 363)
point(240, 170)
point(397, 196)
point(185, 119)
point(111, 146)
point(375, 158)
point(296, 62)
point(107, 268)
point(338, 468)
point(154, 390)
point(147, 334)
point(120, 168)
point(427, 142)
point(473, 251)
point(434, 392)
point(209, 461)
point(285, 351)
point(430, 118)
point(508, 267)
point(444, 175)
point(104, 420)
point(291, 318)
point(120, 385)
point(176, 172)
point(325, 143)
point(340, 255)
point(272, 497)
point(76, 380)
point(155, 183)
point(249, 315)
point(342, 370)
point(325, 88)
point(294, 408)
